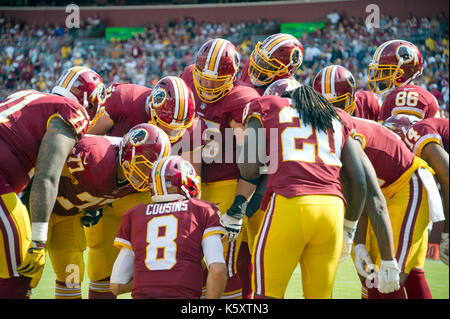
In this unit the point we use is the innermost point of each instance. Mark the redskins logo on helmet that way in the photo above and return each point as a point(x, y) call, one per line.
point(173, 178)
point(171, 106)
point(143, 145)
point(216, 66)
point(279, 55)
point(278, 87)
point(338, 86)
point(395, 63)
point(84, 86)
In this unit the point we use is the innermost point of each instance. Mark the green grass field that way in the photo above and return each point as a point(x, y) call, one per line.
point(346, 286)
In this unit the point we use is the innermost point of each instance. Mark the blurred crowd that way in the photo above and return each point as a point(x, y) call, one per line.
point(34, 57)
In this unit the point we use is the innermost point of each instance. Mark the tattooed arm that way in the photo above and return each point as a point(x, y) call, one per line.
point(56, 145)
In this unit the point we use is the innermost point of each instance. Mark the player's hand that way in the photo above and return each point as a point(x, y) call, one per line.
point(362, 259)
point(349, 234)
point(91, 217)
point(443, 248)
point(34, 261)
point(232, 226)
point(388, 277)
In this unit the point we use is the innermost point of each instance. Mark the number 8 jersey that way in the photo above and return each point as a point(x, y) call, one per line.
point(307, 160)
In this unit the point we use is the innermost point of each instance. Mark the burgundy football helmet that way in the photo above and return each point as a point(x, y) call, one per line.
point(216, 66)
point(395, 63)
point(84, 86)
point(140, 148)
point(338, 86)
point(278, 87)
point(171, 106)
point(173, 178)
point(399, 124)
point(278, 56)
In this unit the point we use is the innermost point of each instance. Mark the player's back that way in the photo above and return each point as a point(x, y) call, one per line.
point(388, 154)
point(411, 100)
point(89, 178)
point(24, 118)
point(167, 242)
point(308, 159)
point(368, 105)
point(125, 105)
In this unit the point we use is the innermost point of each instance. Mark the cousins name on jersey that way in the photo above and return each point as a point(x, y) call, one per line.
point(167, 208)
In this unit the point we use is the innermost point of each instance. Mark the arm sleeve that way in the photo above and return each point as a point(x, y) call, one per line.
point(213, 249)
point(123, 268)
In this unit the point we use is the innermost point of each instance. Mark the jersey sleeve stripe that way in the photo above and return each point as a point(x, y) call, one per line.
point(213, 230)
point(120, 242)
point(424, 140)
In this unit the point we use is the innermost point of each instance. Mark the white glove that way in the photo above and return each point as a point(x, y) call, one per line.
point(349, 233)
point(443, 248)
point(232, 226)
point(362, 259)
point(388, 277)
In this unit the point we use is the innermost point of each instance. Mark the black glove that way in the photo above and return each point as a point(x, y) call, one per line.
point(91, 217)
point(237, 209)
point(253, 205)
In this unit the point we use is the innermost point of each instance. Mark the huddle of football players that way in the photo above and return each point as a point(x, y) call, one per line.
point(147, 179)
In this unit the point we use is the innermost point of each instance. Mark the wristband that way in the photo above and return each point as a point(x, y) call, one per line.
point(39, 231)
point(237, 209)
point(350, 226)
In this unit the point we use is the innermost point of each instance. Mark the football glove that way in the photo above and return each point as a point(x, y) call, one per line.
point(388, 277)
point(34, 260)
point(363, 260)
point(443, 248)
point(232, 226)
point(91, 217)
point(349, 234)
point(238, 208)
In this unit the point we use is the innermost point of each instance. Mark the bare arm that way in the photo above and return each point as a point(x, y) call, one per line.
point(354, 174)
point(56, 145)
point(103, 125)
point(437, 158)
point(216, 281)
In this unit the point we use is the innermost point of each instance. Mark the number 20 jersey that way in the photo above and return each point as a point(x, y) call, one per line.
point(308, 159)
point(167, 242)
point(24, 118)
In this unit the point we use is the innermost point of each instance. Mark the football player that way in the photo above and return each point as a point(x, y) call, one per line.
point(392, 71)
point(37, 133)
point(220, 100)
point(169, 106)
point(278, 56)
point(155, 259)
point(98, 171)
point(408, 187)
point(338, 85)
point(302, 192)
point(428, 139)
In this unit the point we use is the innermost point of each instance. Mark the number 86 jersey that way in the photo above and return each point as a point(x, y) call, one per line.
point(302, 159)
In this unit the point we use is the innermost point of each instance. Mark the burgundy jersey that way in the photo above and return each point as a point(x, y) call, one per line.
point(368, 105)
point(246, 79)
point(24, 117)
point(386, 151)
point(89, 181)
point(410, 100)
point(308, 160)
point(125, 106)
point(220, 162)
point(167, 242)
point(429, 130)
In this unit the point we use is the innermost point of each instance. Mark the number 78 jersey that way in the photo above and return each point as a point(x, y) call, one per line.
point(307, 160)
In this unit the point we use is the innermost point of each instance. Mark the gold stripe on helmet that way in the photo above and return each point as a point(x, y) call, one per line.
point(214, 54)
point(158, 176)
point(277, 40)
point(71, 75)
point(328, 80)
point(181, 103)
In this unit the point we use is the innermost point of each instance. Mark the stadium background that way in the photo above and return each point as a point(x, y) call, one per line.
point(141, 41)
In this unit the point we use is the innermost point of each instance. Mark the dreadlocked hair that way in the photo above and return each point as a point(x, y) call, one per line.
point(313, 107)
